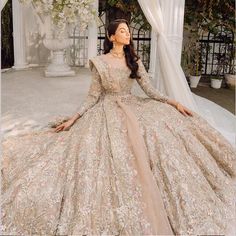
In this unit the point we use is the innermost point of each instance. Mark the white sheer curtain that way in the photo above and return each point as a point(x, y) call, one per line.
point(171, 75)
point(171, 79)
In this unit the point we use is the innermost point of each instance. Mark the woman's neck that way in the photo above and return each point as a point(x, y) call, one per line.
point(119, 49)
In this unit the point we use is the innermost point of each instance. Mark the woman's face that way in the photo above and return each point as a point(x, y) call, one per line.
point(122, 34)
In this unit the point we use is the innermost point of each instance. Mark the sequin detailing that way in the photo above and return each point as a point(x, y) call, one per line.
point(146, 85)
point(86, 181)
point(94, 92)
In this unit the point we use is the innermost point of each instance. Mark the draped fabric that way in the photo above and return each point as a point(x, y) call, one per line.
point(171, 78)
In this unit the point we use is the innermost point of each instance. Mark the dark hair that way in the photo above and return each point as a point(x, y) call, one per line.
point(130, 56)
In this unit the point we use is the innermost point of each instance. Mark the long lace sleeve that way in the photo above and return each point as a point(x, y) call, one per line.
point(94, 93)
point(146, 85)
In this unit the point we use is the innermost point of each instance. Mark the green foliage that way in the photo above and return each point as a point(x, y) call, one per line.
point(191, 57)
point(209, 13)
point(130, 7)
point(203, 16)
point(6, 36)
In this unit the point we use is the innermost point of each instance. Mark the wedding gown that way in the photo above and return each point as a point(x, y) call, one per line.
point(129, 166)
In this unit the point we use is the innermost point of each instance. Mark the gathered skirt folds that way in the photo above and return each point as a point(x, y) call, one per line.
point(128, 166)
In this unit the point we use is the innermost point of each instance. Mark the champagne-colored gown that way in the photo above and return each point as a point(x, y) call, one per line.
point(129, 166)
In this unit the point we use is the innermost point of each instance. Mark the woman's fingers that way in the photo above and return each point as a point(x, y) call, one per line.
point(185, 111)
point(181, 109)
point(189, 112)
point(59, 128)
point(66, 128)
point(63, 127)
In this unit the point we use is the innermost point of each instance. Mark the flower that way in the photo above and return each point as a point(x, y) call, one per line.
point(65, 12)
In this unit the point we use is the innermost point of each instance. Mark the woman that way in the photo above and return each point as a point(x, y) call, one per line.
point(127, 166)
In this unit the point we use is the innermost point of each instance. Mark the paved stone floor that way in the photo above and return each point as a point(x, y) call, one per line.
point(29, 100)
point(224, 97)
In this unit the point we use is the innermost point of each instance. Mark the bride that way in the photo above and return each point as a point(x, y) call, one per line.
point(127, 165)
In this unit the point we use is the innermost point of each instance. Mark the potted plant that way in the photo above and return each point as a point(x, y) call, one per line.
point(191, 62)
point(195, 72)
point(202, 16)
point(230, 78)
point(191, 55)
point(216, 82)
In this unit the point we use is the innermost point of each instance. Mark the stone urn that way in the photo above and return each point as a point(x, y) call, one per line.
point(56, 41)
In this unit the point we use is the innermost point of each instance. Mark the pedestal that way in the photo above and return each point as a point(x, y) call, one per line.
point(58, 67)
point(57, 46)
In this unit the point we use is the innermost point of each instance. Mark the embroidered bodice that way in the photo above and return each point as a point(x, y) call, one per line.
point(110, 75)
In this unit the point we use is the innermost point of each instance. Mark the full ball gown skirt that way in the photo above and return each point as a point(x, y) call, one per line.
point(129, 166)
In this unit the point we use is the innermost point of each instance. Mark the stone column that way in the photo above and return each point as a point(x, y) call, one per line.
point(92, 37)
point(19, 36)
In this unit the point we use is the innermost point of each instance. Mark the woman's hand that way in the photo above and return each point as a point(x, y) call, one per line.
point(182, 109)
point(64, 126)
point(67, 124)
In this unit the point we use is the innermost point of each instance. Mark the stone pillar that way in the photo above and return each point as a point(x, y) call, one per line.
point(92, 37)
point(19, 36)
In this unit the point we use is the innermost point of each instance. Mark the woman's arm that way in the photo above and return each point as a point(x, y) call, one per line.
point(93, 95)
point(153, 93)
point(146, 85)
